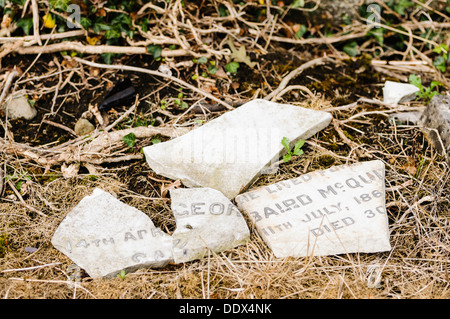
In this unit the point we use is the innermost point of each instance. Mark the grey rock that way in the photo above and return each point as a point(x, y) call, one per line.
point(231, 151)
point(103, 236)
point(436, 124)
point(206, 221)
point(17, 106)
point(409, 118)
point(334, 211)
point(83, 127)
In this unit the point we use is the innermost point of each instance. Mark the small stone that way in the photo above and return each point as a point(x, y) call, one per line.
point(334, 211)
point(30, 249)
point(408, 118)
point(206, 221)
point(103, 236)
point(395, 93)
point(17, 106)
point(83, 127)
point(436, 124)
point(231, 151)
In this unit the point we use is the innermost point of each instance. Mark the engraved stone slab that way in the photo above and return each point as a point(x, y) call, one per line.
point(394, 92)
point(206, 220)
point(231, 151)
point(104, 236)
point(334, 211)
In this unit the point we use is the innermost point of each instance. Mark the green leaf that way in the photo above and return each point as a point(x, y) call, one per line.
point(440, 63)
point(26, 24)
point(212, 69)
point(378, 35)
point(232, 67)
point(107, 57)
point(351, 48)
point(154, 50)
point(202, 60)
point(298, 4)
point(414, 80)
point(129, 139)
point(112, 34)
point(156, 140)
point(298, 146)
point(85, 22)
point(433, 84)
point(287, 157)
point(300, 33)
point(223, 11)
point(101, 27)
point(285, 143)
point(59, 4)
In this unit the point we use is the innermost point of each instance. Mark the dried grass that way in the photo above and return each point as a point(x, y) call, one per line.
point(417, 179)
point(417, 266)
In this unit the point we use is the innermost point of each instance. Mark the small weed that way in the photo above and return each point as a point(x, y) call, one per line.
point(425, 93)
point(122, 275)
point(296, 151)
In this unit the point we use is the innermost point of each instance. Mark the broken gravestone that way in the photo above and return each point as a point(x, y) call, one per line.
point(436, 124)
point(231, 151)
point(104, 236)
point(334, 211)
point(394, 92)
point(206, 221)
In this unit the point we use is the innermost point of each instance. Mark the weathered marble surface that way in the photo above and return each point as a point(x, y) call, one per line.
point(395, 92)
point(231, 151)
point(206, 220)
point(334, 211)
point(103, 236)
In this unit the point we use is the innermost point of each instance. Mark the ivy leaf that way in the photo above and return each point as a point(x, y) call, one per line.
point(351, 49)
point(26, 24)
point(212, 69)
point(154, 50)
point(378, 35)
point(232, 67)
point(59, 4)
point(202, 60)
point(129, 139)
point(439, 63)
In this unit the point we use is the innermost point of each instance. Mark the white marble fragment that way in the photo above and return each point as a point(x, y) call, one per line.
point(206, 221)
point(334, 211)
point(231, 151)
point(395, 92)
point(103, 236)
